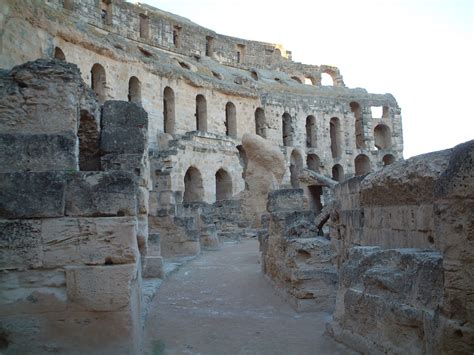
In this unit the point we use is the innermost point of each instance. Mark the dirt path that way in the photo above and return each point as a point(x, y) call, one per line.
point(220, 303)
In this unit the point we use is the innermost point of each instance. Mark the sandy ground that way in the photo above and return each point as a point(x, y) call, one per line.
point(220, 303)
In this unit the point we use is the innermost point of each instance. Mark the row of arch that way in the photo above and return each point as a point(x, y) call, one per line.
point(382, 133)
point(194, 187)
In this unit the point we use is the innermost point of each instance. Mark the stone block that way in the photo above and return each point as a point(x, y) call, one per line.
point(122, 140)
point(20, 244)
point(124, 114)
point(96, 194)
point(89, 241)
point(32, 195)
point(285, 200)
point(153, 267)
point(38, 152)
point(103, 288)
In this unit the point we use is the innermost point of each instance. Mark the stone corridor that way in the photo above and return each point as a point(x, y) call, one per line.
point(220, 303)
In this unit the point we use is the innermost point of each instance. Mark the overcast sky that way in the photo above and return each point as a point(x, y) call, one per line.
point(421, 51)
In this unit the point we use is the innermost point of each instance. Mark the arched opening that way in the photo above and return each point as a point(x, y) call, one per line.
point(106, 12)
point(382, 137)
point(287, 130)
point(98, 82)
point(327, 79)
point(260, 125)
point(201, 113)
point(209, 46)
point(230, 120)
point(362, 164)
point(242, 160)
point(335, 134)
point(359, 127)
point(135, 90)
point(168, 110)
point(313, 162)
point(296, 167)
point(337, 173)
point(315, 193)
point(89, 142)
point(254, 75)
point(193, 187)
point(223, 185)
point(309, 80)
point(59, 54)
point(310, 131)
point(298, 80)
point(177, 36)
point(144, 26)
point(388, 159)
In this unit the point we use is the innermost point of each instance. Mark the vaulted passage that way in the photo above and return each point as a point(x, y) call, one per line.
point(98, 82)
point(313, 162)
point(201, 113)
point(260, 125)
point(168, 110)
point(335, 134)
point(193, 187)
point(230, 120)
point(388, 159)
point(296, 167)
point(338, 173)
point(362, 165)
point(310, 131)
point(287, 130)
point(135, 90)
point(223, 185)
point(382, 137)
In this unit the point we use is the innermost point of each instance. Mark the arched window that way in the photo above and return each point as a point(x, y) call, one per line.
point(362, 164)
point(89, 142)
point(201, 113)
point(59, 54)
point(134, 90)
point(287, 130)
point(309, 80)
point(260, 124)
point(313, 162)
point(168, 110)
point(335, 134)
point(388, 159)
point(310, 131)
point(98, 82)
point(106, 12)
point(230, 120)
point(382, 137)
point(223, 185)
point(337, 173)
point(193, 187)
point(298, 80)
point(327, 79)
point(359, 127)
point(296, 167)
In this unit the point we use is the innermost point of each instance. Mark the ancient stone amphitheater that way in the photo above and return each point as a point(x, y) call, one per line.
point(130, 136)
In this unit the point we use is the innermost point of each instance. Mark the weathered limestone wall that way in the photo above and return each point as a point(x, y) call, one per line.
point(402, 236)
point(70, 260)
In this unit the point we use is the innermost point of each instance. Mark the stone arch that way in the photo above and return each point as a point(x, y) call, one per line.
point(201, 113)
point(296, 167)
point(359, 126)
point(388, 159)
point(230, 120)
point(98, 82)
point(260, 122)
point(89, 142)
point(310, 80)
point(335, 135)
point(135, 90)
point(168, 111)
point(382, 137)
point(338, 173)
point(193, 186)
point(328, 77)
point(287, 130)
point(313, 162)
point(362, 164)
point(298, 80)
point(59, 54)
point(223, 185)
point(310, 131)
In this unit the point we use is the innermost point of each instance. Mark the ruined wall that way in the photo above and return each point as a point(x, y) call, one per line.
point(402, 236)
point(70, 257)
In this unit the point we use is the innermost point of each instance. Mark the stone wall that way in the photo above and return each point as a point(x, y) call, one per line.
point(403, 241)
point(70, 250)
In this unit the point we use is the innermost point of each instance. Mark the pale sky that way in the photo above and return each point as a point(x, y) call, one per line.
point(421, 51)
